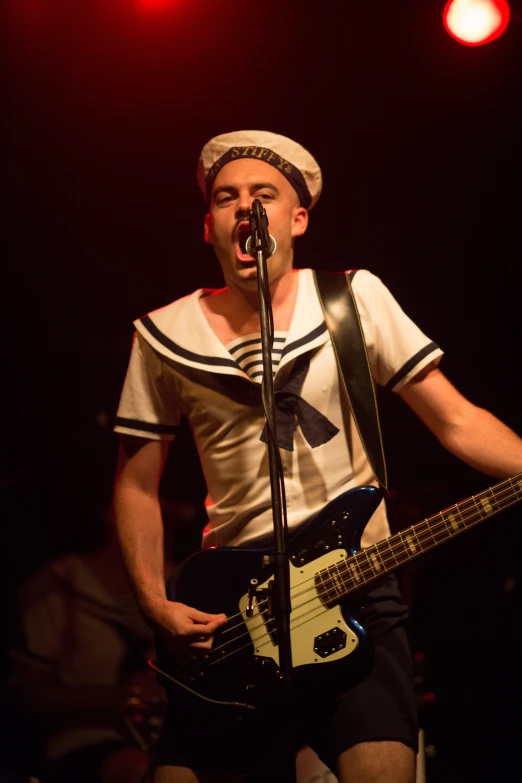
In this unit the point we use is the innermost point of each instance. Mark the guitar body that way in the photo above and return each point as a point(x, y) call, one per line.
point(327, 570)
point(243, 665)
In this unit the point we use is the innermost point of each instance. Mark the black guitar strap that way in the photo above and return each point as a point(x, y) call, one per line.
point(344, 324)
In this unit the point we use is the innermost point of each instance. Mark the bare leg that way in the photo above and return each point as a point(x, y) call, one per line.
point(165, 774)
point(377, 762)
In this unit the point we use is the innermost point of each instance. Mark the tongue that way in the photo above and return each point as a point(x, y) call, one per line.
point(241, 253)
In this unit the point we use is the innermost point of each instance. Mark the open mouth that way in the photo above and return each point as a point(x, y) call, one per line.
point(241, 237)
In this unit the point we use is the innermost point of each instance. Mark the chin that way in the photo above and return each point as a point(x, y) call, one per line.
point(247, 278)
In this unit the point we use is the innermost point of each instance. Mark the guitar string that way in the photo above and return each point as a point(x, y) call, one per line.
point(343, 567)
point(354, 585)
point(263, 639)
point(470, 502)
point(390, 563)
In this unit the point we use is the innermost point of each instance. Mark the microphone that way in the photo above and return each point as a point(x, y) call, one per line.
point(250, 249)
point(259, 235)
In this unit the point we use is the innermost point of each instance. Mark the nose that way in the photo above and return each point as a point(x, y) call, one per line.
point(244, 206)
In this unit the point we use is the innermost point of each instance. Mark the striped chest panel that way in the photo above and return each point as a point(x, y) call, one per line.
point(246, 351)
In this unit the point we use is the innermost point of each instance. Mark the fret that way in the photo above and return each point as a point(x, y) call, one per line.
point(372, 553)
point(447, 524)
point(319, 576)
point(370, 563)
point(357, 576)
point(438, 529)
point(386, 542)
point(480, 510)
point(410, 543)
point(463, 516)
point(404, 547)
point(452, 519)
point(337, 580)
point(430, 531)
point(406, 553)
point(415, 533)
point(378, 558)
point(516, 483)
point(494, 498)
point(422, 541)
point(323, 593)
point(332, 587)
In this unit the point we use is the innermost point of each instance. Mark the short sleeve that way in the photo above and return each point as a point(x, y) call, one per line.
point(397, 348)
point(148, 406)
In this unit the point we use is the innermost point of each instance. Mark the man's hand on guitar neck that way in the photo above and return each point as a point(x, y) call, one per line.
point(188, 632)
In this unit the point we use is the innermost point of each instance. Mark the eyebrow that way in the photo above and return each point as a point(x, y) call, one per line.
point(255, 186)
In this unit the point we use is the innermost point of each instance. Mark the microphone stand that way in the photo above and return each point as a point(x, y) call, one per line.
point(279, 558)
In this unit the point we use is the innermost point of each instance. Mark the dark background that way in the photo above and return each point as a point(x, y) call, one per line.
point(108, 104)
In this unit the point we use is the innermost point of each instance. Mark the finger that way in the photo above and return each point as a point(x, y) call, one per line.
point(212, 626)
point(203, 629)
point(202, 644)
point(205, 617)
point(200, 629)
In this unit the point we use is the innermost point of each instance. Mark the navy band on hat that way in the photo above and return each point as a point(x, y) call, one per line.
point(287, 156)
point(289, 171)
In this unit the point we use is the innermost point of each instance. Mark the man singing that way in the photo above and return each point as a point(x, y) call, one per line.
point(200, 357)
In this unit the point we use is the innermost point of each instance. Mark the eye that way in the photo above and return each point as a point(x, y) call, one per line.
point(223, 200)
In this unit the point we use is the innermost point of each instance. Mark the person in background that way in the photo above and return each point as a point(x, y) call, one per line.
point(80, 667)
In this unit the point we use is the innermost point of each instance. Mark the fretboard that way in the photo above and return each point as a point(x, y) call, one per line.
point(368, 564)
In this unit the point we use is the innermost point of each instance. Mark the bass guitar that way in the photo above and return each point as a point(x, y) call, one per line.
point(328, 571)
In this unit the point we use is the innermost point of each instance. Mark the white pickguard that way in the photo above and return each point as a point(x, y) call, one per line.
point(309, 618)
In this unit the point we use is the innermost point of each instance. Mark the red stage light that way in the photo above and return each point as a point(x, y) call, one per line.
point(155, 5)
point(476, 22)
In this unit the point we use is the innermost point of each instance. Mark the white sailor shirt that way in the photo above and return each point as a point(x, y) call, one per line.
point(178, 367)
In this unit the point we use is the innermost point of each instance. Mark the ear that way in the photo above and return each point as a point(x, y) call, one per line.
point(207, 229)
point(299, 221)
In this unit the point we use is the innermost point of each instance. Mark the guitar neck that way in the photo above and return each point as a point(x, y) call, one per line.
point(375, 561)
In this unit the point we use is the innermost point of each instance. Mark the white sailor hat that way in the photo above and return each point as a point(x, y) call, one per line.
point(288, 157)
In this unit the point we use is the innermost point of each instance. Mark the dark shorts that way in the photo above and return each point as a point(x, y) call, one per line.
point(377, 702)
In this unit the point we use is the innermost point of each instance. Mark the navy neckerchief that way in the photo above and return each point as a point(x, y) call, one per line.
point(316, 428)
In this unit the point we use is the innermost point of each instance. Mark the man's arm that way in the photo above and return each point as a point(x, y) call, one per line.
point(140, 531)
point(470, 433)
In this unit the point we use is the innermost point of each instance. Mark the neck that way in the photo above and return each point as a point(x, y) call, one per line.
point(282, 291)
point(232, 312)
point(375, 561)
